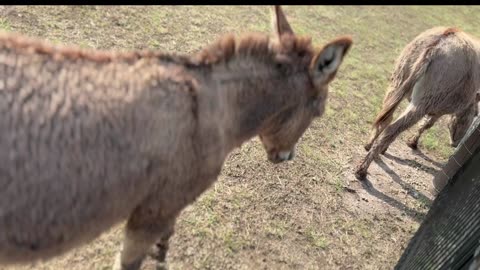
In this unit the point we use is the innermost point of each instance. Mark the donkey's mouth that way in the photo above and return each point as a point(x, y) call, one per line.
point(281, 156)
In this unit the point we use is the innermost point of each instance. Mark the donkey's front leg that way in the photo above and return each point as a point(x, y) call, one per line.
point(134, 248)
point(141, 233)
point(160, 249)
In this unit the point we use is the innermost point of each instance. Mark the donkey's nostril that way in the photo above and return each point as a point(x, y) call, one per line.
point(292, 154)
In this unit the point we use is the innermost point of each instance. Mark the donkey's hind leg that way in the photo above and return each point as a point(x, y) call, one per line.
point(427, 123)
point(141, 233)
point(376, 131)
point(379, 126)
point(409, 117)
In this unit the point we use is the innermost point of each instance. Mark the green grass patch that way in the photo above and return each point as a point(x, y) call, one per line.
point(315, 238)
point(5, 25)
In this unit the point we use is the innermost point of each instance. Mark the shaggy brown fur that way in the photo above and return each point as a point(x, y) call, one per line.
point(58, 52)
point(439, 73)
point(92, 138)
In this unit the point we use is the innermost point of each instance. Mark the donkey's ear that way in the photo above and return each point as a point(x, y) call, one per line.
point(325, 63)
point(280, 23)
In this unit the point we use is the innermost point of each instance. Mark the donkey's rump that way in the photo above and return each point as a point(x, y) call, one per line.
point(449, 77)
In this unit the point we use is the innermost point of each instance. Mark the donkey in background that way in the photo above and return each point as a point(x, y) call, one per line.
point(439, 73)
point(92, 138)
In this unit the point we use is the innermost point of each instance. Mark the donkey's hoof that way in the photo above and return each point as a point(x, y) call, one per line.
point(161, 266)
point(367, 146)
point(158, 252)
point(361, 174)
point(412, 144)
point(384, 151)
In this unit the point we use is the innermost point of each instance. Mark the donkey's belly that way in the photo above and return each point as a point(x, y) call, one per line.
point(31, 232)
point(37, 247)
point(49, 212)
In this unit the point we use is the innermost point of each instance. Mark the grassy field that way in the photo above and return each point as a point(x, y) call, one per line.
point(310, 213)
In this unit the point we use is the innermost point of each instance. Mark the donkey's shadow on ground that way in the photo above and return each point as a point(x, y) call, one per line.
point(411, 190)
point(417, 165)
point(427, 158)
point(370, 189)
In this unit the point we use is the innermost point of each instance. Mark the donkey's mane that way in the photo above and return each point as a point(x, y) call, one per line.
point(224, 49)
point(260, 45)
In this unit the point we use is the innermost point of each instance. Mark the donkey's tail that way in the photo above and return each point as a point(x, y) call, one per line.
point(395, 96)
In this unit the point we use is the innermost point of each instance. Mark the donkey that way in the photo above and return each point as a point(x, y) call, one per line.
point(439, 73)
point(90, 138)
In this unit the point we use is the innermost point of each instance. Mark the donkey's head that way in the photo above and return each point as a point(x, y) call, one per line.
point(306, 73)
point(460, 123)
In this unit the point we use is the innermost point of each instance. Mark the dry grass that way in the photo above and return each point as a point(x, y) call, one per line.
point(306, 214)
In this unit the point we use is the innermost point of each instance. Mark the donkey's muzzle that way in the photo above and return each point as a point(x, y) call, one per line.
point(281, 156)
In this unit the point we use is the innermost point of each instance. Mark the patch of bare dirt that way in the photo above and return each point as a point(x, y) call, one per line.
point(396, 181)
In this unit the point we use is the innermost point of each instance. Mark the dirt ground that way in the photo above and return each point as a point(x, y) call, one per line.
point(310, 213)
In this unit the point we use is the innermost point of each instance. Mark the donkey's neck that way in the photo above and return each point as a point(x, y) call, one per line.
point(250, 96)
